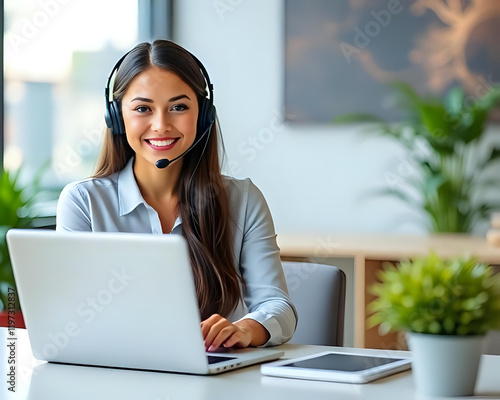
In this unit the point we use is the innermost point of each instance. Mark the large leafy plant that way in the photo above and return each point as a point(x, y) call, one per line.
point(444, 138)
point(457, 296)
point(16, 211)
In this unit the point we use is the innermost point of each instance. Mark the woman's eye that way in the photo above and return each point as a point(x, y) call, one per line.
point(142, 109)
point(179, 107)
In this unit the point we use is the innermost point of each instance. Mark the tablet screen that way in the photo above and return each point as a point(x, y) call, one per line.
point(342, 362)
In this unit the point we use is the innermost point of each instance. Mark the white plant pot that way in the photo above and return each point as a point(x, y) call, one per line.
point(445, 365)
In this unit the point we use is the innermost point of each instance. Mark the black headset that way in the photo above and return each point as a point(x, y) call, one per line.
point(113, 112)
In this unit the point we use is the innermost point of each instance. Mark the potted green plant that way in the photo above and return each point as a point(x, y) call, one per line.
point(446, 306)
point(451, 170)
point(16, 205)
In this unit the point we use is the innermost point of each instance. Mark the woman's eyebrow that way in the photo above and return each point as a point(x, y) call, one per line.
point(181, 96)
point(145, 99)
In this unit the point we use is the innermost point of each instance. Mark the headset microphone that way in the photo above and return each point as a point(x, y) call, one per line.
point(164, 163)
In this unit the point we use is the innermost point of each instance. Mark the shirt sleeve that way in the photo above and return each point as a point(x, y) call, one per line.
point(265, 291)
point(73, 212)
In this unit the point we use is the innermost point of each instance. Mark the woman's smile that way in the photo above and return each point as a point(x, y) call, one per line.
point(162, 144)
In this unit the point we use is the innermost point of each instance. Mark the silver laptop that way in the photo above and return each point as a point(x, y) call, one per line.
point(115, 299)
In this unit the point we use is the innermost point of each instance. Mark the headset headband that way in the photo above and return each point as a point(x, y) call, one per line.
point(113, 115)
point(119, 62)
point(112, 75)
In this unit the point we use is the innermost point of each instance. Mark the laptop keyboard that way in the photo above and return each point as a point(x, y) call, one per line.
point(217, 359)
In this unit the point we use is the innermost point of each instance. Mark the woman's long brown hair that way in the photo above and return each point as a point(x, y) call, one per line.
point(203, 200)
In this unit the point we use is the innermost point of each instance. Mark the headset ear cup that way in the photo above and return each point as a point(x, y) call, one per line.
point(206, 115)
point(107, 116)
point(118, 127)
point(113, 112)
point(211, 114)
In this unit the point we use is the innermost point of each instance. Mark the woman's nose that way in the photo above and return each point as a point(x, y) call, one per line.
point(161, 123)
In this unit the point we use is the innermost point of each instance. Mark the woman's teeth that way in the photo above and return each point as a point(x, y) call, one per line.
point(162, 143)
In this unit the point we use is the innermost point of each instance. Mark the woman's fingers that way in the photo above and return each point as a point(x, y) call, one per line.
point(218, 331)
point(207, 324)
point(222, 336)
point(238, 339)
point(211, 328)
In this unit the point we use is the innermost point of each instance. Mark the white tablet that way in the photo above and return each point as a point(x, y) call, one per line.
point(337, 367)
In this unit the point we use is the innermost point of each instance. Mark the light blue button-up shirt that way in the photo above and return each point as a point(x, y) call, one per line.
point(115, 204)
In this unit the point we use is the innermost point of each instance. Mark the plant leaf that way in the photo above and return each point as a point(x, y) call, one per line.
point(454, 101)
point(494, 155)
point(400, 194)
point(356, 118)
point(491, 99)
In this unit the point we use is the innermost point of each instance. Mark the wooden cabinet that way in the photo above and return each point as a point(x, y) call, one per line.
point(369, 252)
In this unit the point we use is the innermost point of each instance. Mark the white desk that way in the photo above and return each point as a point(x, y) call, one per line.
point(42, 381)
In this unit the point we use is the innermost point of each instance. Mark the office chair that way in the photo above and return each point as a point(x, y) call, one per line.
point(318, 293)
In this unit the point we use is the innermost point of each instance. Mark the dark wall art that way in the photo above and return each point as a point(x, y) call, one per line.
point(340, 55)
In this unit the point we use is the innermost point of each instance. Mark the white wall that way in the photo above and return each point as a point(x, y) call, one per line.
point(315, 178)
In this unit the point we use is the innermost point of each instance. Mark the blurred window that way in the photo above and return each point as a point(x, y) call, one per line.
point(57, 57)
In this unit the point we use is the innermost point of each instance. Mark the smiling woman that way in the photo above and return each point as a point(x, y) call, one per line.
point(162, 125)
point(159, 172)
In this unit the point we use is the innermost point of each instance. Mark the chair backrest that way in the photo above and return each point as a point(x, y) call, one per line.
point(318, 293)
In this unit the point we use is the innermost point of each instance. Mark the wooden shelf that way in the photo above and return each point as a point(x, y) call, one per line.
point(369, 252)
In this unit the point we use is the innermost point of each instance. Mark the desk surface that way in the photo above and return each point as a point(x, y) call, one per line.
point(42, 381)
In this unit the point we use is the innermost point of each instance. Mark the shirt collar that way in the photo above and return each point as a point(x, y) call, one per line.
point(129, 195)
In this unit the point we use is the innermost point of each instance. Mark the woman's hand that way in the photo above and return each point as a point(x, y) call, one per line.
point(218, 331)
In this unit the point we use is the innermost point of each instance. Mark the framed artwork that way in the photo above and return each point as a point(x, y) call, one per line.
point(341, 55)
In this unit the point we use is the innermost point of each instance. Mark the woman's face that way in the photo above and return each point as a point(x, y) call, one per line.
point(160, 112)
